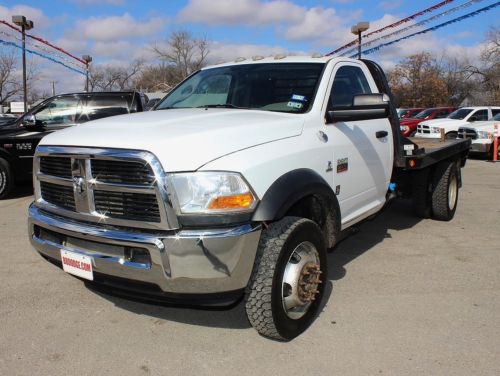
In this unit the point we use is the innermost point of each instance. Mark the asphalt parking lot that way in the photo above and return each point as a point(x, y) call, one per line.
point(405, 297)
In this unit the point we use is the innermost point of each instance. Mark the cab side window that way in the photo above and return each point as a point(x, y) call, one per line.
point(349, 81)
point(479, 115)
point(61, 111)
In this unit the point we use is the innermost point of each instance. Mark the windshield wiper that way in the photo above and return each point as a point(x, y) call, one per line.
point(226, 105)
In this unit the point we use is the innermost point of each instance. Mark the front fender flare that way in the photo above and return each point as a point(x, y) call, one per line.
point(288, 189)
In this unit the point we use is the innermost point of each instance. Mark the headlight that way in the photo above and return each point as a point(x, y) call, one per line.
point(483, 134)
point(404, 128)
point(212, 193)
point(435, 129)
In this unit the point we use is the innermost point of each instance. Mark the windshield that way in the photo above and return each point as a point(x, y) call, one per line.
point(423, 114)
point(460, 114)
point(283, 87)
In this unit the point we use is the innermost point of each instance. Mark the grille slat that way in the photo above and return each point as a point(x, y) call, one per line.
point(125, 205)
point(56, 166)
point(118, 172)
point(58, 195)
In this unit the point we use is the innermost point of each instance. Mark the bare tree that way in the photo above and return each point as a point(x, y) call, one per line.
point(184, 53)
point(109, 78)
point(161, 77)
point(488, 68)
point(10, 84)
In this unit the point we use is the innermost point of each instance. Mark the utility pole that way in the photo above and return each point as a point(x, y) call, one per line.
point(87, 59)
point(357, 29)
point(25, 25)
point(53, 88)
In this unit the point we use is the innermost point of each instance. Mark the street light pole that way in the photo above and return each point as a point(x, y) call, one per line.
point(357, 30)
point(87, 59)
point(25, 25)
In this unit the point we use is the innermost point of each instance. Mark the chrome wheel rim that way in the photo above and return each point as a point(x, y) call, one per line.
point(452, 192)
point(301, 280)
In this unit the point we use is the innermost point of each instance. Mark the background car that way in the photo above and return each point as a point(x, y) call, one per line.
point(409, 125)
point(450, 125)
point(409, 112)
point(19, 139)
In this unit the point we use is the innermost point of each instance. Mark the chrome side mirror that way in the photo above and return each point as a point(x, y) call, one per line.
point(29, 120)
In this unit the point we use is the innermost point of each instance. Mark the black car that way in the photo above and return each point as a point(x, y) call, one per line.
point(18, 140)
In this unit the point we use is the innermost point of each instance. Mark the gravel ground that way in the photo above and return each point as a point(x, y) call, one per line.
point(405, 297)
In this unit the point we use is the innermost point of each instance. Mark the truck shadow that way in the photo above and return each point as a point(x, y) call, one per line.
point(397, 216)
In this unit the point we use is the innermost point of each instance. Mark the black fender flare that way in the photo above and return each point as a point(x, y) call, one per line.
point(4, 154)
point(288, 189)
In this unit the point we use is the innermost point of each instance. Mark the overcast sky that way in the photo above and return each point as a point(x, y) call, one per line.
point(117, 31)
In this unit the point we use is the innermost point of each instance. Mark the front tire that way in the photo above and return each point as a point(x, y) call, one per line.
point(6, 179)
point(445, 193)
point(287, 282)
point(451, 135)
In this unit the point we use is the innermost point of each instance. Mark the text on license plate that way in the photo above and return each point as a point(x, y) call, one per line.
point(76, 264)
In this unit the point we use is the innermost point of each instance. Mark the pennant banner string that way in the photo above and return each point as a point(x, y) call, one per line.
point(421, 23)
point(12, 44)
point(404, 20)
point(455, 20)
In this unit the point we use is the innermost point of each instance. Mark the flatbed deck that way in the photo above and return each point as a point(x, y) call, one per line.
point(427, 152)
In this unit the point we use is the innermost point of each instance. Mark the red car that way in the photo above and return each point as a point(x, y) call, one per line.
point(404, 113)
point(409, 125)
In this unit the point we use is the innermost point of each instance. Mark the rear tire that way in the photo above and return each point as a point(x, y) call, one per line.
point(445, 193)
point(285, 290)
point(6, 179)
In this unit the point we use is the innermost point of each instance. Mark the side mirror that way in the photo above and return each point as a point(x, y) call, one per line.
point(29, 121)
point(364, 107)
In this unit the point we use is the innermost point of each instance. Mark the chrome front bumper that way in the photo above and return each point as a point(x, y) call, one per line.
point(185, 262)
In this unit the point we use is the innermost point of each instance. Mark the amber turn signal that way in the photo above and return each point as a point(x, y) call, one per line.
point(242, 201)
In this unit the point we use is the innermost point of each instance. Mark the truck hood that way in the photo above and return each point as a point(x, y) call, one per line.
point(482, 125)
point(410, 121)
point(446, 124)
point(183, 139)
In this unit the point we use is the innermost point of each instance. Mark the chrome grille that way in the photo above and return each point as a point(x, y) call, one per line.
point(423, 129)
point(110, 186)
point(119, 172)
point(56, 166)
point(132, 206)
point(467, 133)
point(58, 195)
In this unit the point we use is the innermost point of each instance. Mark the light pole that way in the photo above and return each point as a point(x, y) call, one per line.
point(357, 30)
point(87, 59)
point(25, 25)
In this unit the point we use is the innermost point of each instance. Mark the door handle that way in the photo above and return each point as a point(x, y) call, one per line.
point(381, 134)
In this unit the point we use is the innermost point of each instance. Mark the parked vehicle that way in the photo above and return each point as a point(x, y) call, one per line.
point(19, 139)
point(409, 125)
point(461, 117)
point(237, 184)
point(404, 113)
point(481, 134)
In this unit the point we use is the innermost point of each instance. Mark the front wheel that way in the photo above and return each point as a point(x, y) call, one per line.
point(6, 179)
point(451, 135)
point(287, 282)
